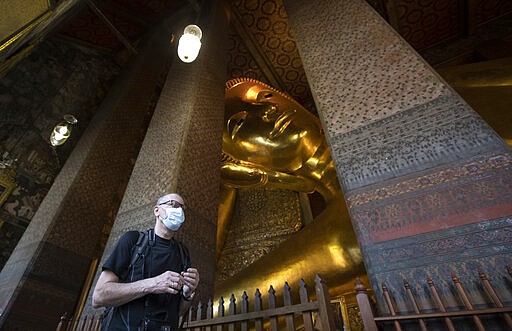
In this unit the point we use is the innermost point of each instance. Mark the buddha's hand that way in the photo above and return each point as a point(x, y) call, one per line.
point(237, 175)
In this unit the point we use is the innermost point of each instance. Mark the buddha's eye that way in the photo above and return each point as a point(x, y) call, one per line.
point(264, 96)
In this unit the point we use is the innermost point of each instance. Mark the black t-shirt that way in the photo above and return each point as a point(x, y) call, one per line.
point(164, 255)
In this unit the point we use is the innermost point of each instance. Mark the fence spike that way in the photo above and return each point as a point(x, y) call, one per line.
point(232, 311)
point(199, 311)
point(220, 310)
point(494, 296)
point(287, 298)
point(304, 298)
point(287, 295)
point(414, 303)
point(272, 305)
point(209, 309)
point(63, 322)
point(391, 307)
point(245, 303)
point(258, 323)
point(232, 305)
point(190, 312)
point(271, 297)
point(439, 303)
point(303, 292)
point(365, 307)
point(465, 299)
point(244, 310)
point(324, 304)
point(257, 298)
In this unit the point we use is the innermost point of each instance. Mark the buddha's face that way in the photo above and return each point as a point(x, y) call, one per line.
point(268, 129)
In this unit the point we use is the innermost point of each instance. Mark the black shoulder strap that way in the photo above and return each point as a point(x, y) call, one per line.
point(140, 247)
point(151, 237)
point(148, 237)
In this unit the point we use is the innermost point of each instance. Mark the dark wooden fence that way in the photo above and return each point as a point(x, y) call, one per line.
point(370, 320)
point(243, 319)
point(85, 323)
point(291, 316)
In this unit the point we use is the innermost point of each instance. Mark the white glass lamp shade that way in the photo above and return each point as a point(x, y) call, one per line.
point(190, 43)
point(62, 130)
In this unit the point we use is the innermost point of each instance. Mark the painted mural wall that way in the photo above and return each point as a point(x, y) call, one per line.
point(56, 79)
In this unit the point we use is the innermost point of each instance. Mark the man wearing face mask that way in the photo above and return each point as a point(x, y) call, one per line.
point(152, 293)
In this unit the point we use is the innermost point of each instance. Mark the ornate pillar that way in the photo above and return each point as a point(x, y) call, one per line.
point(181, 152)
point(428, 183)
point(44, 276)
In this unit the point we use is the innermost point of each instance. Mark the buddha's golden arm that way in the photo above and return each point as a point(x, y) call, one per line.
point(245, 176)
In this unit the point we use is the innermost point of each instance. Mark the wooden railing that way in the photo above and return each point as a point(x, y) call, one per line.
point(243, 319)
point(202, 318)
point(85, 323)
point(370, 321)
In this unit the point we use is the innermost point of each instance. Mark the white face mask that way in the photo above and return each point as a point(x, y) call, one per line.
point(173, 219)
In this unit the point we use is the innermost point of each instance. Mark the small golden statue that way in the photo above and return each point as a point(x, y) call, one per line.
point(271, 141)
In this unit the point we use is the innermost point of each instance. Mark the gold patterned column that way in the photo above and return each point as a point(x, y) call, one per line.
point(181, 151)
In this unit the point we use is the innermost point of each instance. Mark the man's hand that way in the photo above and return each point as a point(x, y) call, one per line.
point(190, 281)
point(110, 292)
point(168, 282)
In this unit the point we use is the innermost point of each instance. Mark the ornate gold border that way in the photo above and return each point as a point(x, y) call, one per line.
point(93, 267)
point(475, 167)
point(26, 28)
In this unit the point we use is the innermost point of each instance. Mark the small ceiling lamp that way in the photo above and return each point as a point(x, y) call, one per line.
point(7, 161)
point(190, 43)
point(62, 130)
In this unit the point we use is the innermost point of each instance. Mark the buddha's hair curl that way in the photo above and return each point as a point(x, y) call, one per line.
point(232, 82)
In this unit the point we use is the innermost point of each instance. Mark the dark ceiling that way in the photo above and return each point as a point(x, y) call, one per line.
point(262, 46)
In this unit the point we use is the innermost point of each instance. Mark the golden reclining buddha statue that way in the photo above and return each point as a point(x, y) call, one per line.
point(271, 141)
